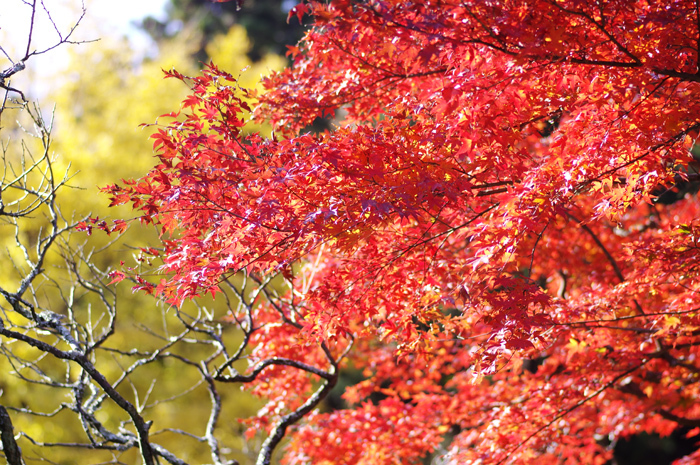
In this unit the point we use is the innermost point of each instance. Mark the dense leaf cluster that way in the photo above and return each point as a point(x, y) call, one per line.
point(479, 235)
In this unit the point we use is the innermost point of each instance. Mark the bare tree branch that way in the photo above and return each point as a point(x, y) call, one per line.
point(7, 434)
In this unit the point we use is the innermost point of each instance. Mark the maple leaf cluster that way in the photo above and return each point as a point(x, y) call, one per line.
point(480, 235)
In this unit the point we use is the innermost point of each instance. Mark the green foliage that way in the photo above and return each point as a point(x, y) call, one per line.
point(264, 21)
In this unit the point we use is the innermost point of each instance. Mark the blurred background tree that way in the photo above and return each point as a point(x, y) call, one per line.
point(265, 22)
point(151, 354)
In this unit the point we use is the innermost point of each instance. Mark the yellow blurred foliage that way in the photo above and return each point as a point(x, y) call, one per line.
point(100, 105)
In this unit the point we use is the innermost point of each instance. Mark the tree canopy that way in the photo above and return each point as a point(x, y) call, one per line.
point(501, 233)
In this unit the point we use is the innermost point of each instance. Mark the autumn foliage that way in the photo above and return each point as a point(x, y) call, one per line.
point(500, 232)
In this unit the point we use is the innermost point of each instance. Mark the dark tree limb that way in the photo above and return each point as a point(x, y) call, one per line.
point(13, 454)
point(280, 429)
